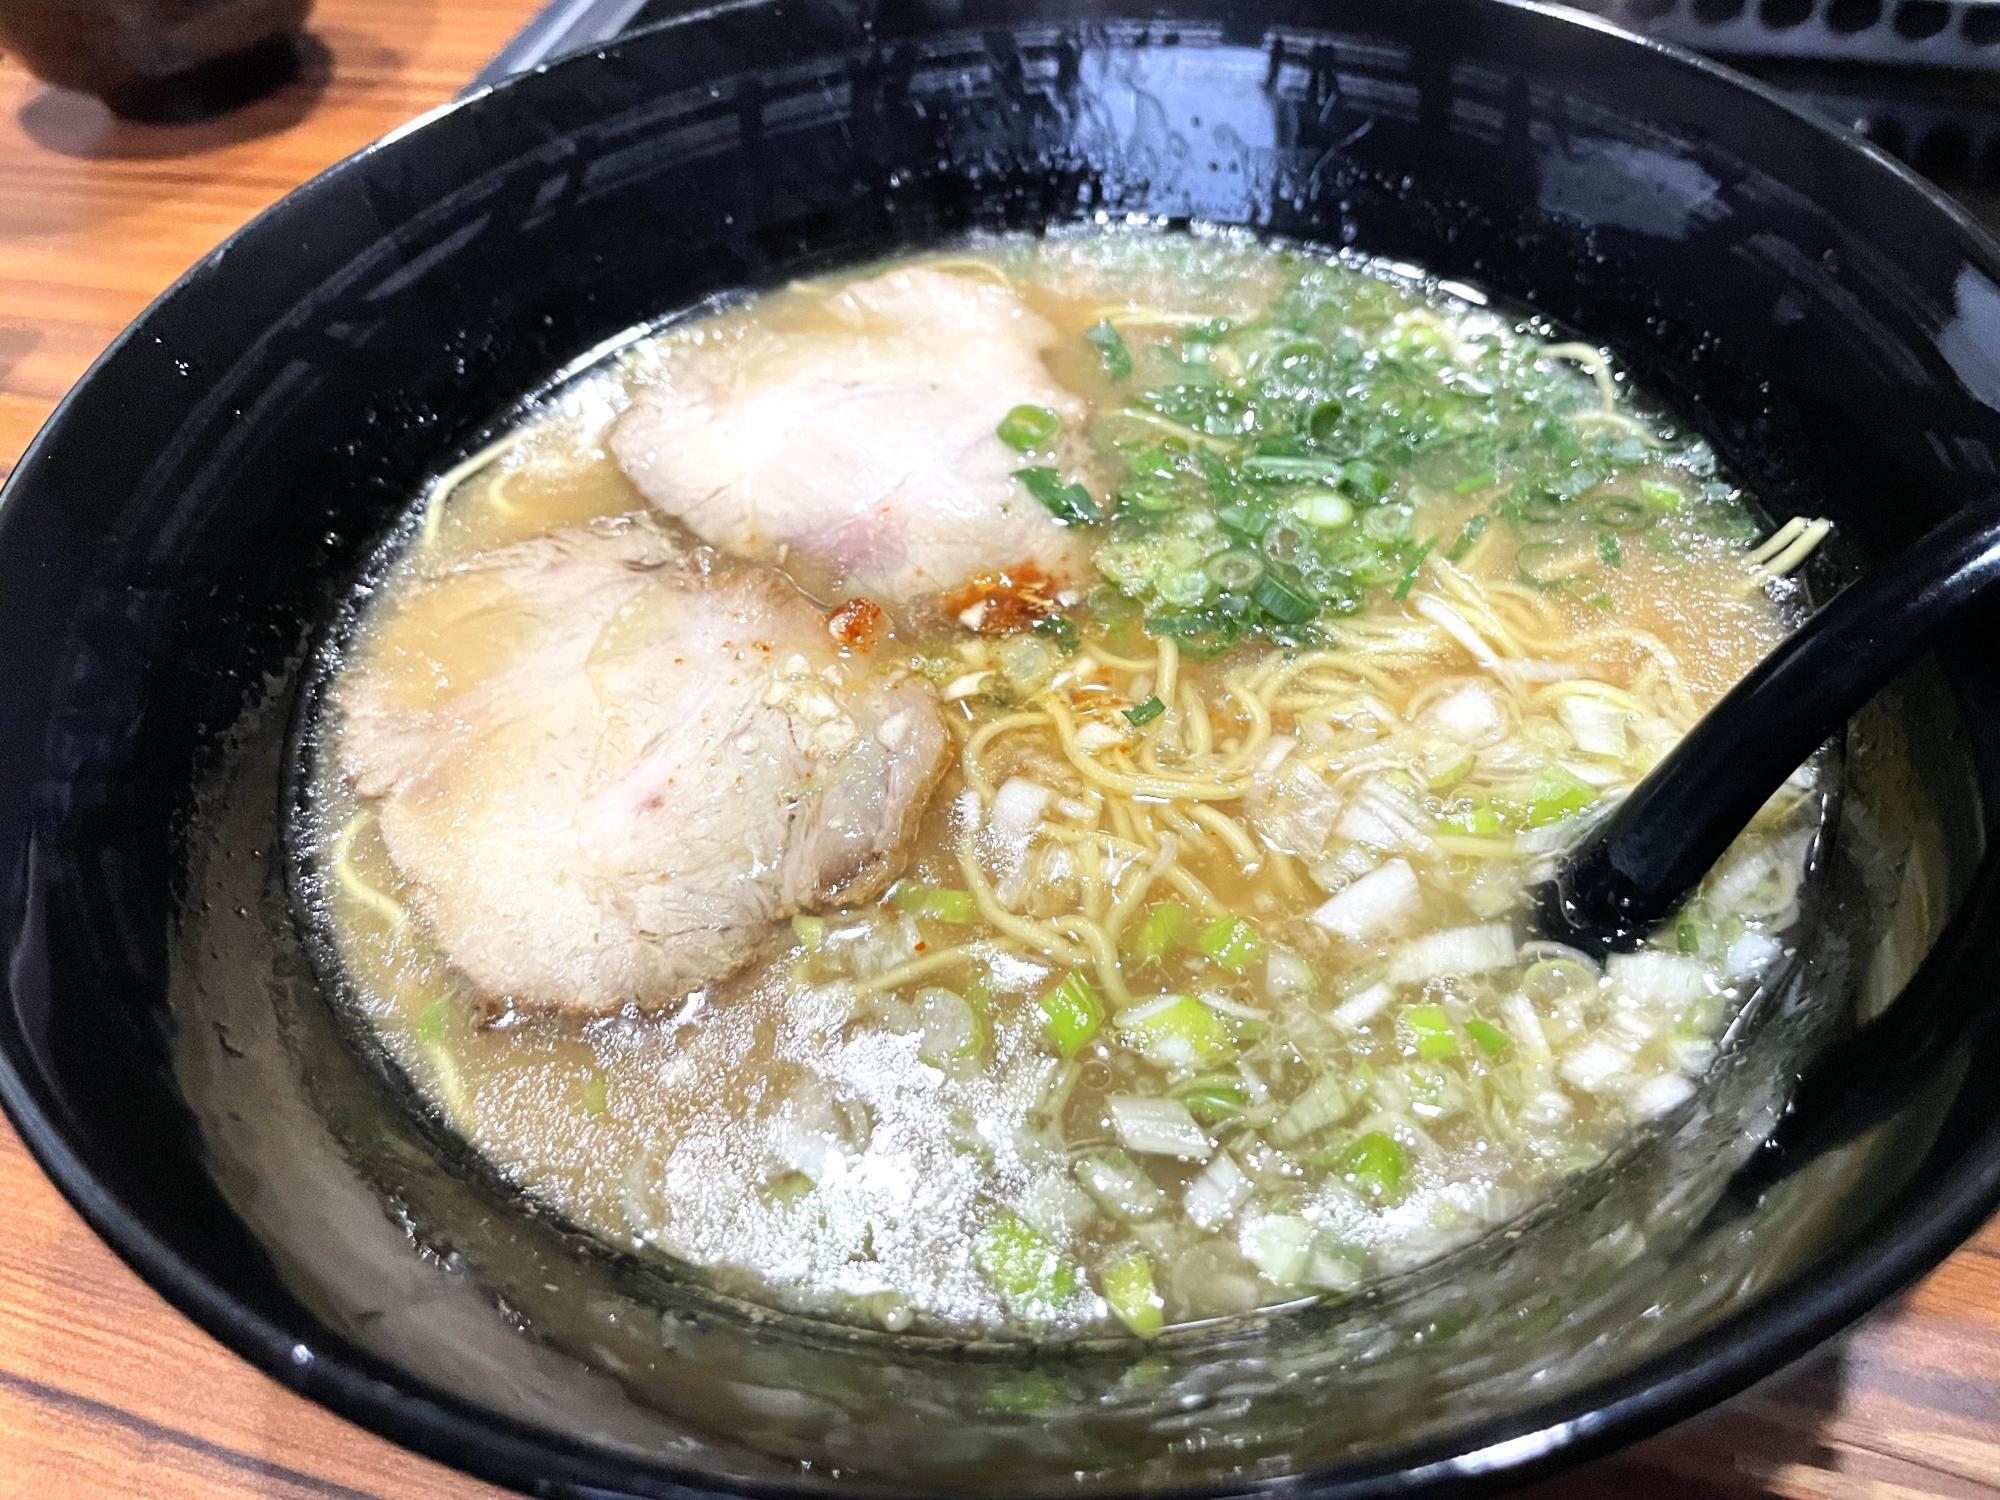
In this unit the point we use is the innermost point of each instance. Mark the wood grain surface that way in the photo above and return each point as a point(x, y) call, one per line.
point(106, 1391)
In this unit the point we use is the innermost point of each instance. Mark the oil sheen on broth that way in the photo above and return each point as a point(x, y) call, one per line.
point(1135, 933)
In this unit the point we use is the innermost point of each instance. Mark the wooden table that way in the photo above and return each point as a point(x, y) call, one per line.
point(106, 1391)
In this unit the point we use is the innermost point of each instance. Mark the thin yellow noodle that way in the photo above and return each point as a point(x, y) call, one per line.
point(1168, 676)
point(1152, 317)
point(1104, 958)
point(1112, 659)
point(1180, 430)
point(1283, 871)
point(1121, 820)
point(975, 772)
point(377, 900)
point(1157, 785)
point(1090, 874)
point(1037, 936)
point(1592, 360)
point(1183, 881)
point(1476, 847)
point(966, 263)
point(917, 968)
point(1231, 833)
point(1189, 830)
point(1201, 734)
point(441, 488)
point(1253, 740)
point(1135, 892)
point(1586, 687)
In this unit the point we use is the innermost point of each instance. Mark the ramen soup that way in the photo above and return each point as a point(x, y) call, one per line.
point(992, 794)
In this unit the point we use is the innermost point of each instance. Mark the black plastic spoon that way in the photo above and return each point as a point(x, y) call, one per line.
point(1644, 859)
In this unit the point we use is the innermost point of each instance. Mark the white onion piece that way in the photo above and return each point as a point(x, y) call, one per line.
point(1456, 950)
point(1598, 727)
point(1656, 1096)
point(1280, 746)
point(966, 686)
point(1120, 1186)
point(1595, 1065)
point(1669, 980)
point(1471, 715)
point(1358, 1010)
point(1018, 806)
point(1325, 1102)
point(1752, 953)
point(1279, 1245)
point(1220, 1189)
point(1158, 1127)
point(1287, 973)
point(1383, 816)
point(1380, 903)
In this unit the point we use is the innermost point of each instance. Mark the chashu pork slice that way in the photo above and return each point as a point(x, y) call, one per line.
point(604, 768)
point(862, 453)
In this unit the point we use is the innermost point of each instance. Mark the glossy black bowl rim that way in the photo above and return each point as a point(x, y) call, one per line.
point(1661, 1390)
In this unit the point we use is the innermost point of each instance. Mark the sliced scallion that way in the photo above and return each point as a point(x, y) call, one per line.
point(1164, 928)
point(1284, 602)
point(1069, 503)
point(1231, 942)
point(1376, 1164)
point(1127, 1285)
point(1028, 427)
point(1071, 1014)
point(1141, 714)
point(937, 903)
point(1110, 347)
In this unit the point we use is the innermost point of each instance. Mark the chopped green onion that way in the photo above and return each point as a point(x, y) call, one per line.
point(1164, 927)
point(1375, 1163)
point(1214, 1097)
point(1366, 481)
point(1622, 514)
point(1144, 713)
point(1176, 1031)
point(1435, 1038)
point(1687, 937)
point(1111, 350)
point(1069, 503)
point(809, 932)
point(596, 1096)
point(1660, 496)
point(1234, 570)
point(1282, 601)
point(1323, 510)
point(1127, 1284)
point(1475, 816)
point(1474, 529)
point(1231, 942)
point(1022, 1266)
point(1558, 793)
point(1473, 483)
point(1060, 629)
point(1323, 421)
point(431, 1020)
point(1417, 562)
point(1279, 466)
point(1490, 1038)
point(1027, 427)
point(1609, 551)
point(938, 903)
point(1071, 1013)
point(1548, 565)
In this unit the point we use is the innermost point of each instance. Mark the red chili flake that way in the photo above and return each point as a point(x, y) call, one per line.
point(1014, 598)
point(857, 623)
point(922, 946)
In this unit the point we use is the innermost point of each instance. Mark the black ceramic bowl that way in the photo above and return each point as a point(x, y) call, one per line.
point(202, 502)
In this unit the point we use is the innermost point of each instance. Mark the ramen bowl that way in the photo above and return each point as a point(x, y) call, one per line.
point(198, 510)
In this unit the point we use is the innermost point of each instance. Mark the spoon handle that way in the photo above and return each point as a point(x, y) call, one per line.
point(1643, 860)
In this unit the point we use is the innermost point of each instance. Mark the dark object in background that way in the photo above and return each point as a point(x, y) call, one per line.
point(160, 60)
point(210, 492)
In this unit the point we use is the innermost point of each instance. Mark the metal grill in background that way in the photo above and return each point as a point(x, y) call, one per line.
point(1921, 78)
